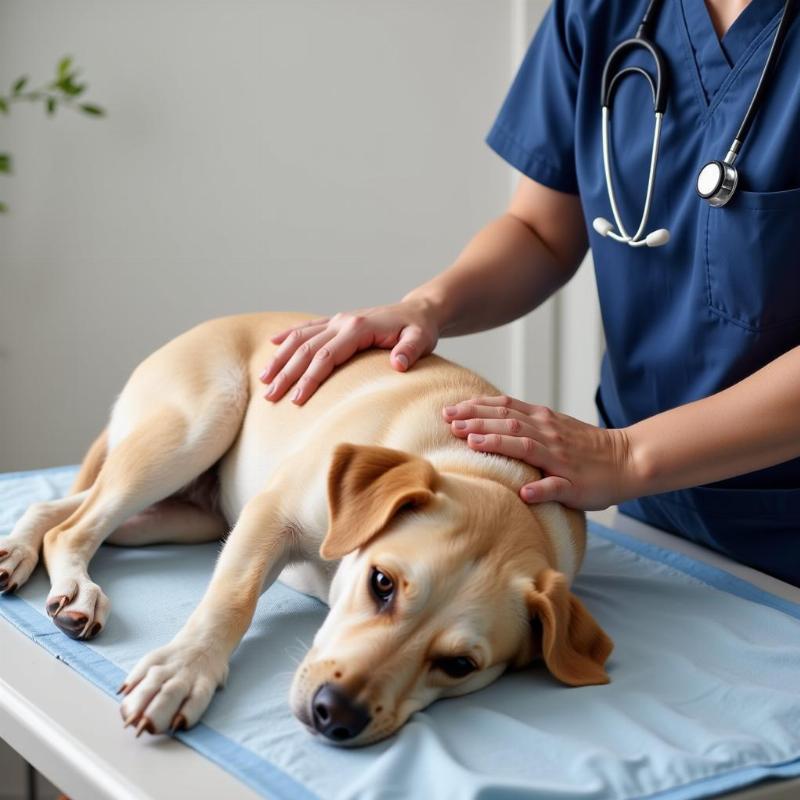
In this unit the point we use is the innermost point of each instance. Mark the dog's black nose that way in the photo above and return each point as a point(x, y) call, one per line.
point(335, 714)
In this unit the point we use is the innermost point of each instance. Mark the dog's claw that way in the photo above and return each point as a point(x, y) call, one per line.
point(131, 719)
point(144, 725)
point(62, 603)
point(178, 723)
point(122, 688)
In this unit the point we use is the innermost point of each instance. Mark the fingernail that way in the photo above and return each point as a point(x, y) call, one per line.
point(450, 410)
point(402, 360)
point(528, 494)
point(270, 390)
point(460, 424)
point(296, 395)
point(263, 376)
point(476, 438)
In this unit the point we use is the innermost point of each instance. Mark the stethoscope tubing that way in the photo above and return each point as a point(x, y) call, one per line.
point(623, 236)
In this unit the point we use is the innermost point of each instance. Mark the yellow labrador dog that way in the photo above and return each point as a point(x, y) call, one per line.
point(437, 575)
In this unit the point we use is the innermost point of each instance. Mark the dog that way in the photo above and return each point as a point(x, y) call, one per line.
point(438, 576)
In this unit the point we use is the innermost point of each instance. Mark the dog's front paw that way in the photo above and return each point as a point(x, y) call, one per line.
point(17, 562)
point(170, 688)
point(78, 607)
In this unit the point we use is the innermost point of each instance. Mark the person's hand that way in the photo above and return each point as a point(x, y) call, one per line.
point(308, 353)
point(582, 466)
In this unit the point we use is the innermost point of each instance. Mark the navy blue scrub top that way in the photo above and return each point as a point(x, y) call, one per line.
point(722, 298)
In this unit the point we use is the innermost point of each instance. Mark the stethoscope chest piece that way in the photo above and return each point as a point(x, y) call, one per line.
point(716, 182)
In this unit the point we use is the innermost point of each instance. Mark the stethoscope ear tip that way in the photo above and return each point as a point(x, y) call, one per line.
point(657, 238)
point(602, 225)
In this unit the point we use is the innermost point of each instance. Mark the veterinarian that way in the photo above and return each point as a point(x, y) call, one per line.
point(697, 262)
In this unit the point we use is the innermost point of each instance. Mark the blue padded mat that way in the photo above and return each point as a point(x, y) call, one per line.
point(705, 692)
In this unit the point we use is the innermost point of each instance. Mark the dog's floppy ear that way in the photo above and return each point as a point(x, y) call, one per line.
point(574, 647)
point(367, 486)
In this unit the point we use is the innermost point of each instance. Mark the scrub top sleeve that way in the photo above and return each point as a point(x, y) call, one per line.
point(535, 129)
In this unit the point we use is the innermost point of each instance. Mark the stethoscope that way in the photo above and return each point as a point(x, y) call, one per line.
point(717, 180)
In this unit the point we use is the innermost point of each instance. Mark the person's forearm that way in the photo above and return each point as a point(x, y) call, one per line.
point(749, 426)
point(503, 273)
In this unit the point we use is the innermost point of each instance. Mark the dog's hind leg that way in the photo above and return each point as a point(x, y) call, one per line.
point(170, 425)
point(154, 461)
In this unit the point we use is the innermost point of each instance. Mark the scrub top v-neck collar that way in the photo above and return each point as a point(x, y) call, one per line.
point(715, 58)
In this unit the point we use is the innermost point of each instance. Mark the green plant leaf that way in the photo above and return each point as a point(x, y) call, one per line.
point(3, 105)
point(95, 111)
point(5, 162)
point(51, 106)
point(63, 67)
point(69, 88)
point(19, 84)
point(3, 208)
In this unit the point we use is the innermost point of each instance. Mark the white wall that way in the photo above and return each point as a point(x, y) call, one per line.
point(277, 154)
point(303, 154)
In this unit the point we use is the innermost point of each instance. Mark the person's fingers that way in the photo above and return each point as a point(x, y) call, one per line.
point(546, 489)
point(513, 426)
point(409, 348)
point(329, 356)
point(502, 401)
point(469, 410)
point(281, 335)
point(295, 339)
point(520, 447)
point(296, 365)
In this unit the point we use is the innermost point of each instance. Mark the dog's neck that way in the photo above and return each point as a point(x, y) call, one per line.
point(458, 456)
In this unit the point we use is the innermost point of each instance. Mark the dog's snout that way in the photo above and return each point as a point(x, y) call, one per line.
point(336, 716)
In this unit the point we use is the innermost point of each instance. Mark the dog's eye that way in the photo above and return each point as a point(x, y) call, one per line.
point(457, 667)
point(381, 584)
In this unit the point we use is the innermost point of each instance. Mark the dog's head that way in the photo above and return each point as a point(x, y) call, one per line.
point(445, 582)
